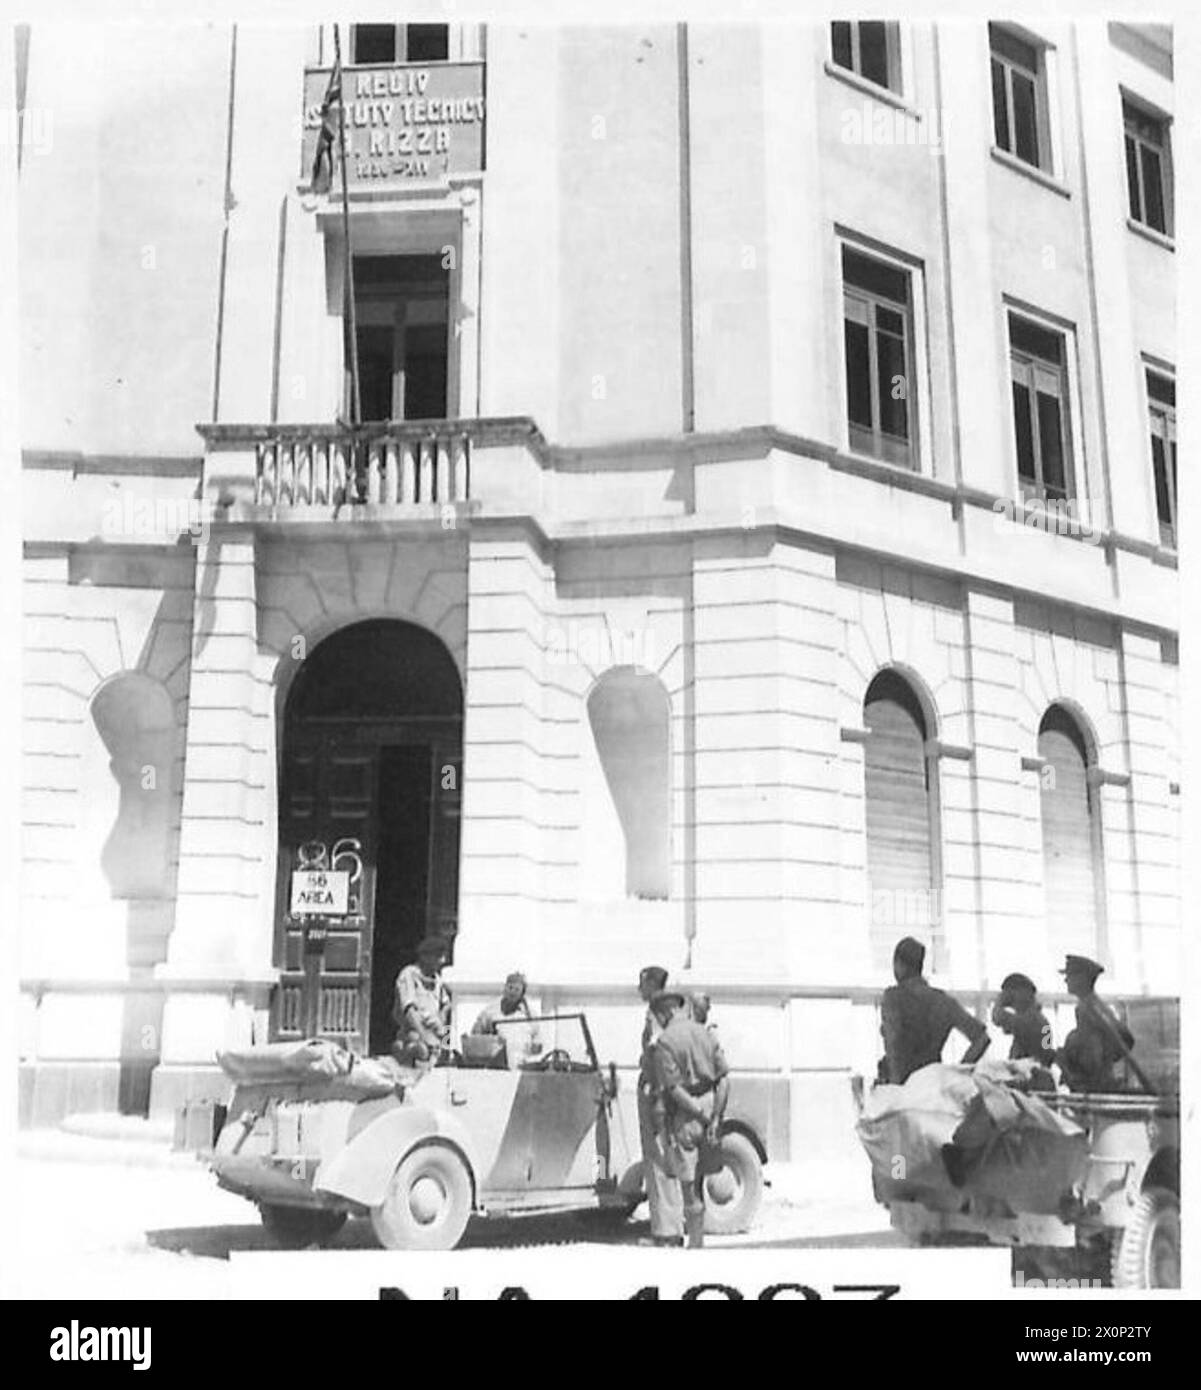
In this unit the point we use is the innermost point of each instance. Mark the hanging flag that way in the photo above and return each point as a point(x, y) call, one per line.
point(323, 160)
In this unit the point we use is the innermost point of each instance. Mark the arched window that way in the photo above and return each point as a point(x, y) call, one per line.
point(629, 715)
point(1071, 836)
point(901, 815)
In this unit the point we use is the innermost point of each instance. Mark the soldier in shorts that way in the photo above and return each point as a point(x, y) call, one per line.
point(691, 1091)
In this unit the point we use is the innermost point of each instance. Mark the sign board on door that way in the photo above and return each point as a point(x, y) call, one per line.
point(324, 892)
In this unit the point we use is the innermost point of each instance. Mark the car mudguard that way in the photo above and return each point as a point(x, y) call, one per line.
point(362, 1170)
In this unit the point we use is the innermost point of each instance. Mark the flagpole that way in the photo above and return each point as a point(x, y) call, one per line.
point(355, 402)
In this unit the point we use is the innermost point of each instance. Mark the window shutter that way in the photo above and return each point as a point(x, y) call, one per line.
point(899, 860)
point(1069, 873)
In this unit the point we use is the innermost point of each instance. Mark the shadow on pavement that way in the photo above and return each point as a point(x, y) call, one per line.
point(557, 1228)
point(857, 1240)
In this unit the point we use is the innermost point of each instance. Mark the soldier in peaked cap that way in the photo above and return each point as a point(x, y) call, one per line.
point(1091, 1052)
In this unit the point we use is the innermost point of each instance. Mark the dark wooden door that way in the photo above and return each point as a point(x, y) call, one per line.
point(402, 877)
point(327, 821)
point(379, 800)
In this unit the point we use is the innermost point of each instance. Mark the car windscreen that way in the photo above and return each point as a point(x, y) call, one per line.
point(554, 1041)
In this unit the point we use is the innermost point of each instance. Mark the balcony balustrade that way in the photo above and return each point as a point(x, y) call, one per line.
point(282, 472)
point(386, 465)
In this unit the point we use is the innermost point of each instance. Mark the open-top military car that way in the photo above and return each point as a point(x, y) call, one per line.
point(1096, 1179)
point(1119, 1200)
point(420, 1150)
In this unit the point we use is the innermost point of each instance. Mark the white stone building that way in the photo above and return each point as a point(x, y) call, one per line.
point(785, 562)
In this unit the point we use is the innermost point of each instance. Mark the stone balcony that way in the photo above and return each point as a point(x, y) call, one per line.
point(388, 469)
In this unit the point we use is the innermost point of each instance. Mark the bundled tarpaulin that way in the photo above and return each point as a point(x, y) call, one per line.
point(317, 1062)
point(958, 1138)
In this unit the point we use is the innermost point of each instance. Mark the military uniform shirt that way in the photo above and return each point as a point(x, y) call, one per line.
point(688, 1055)
point(422, 1003)
point(1091, 1051)
point(652, 1030)
point(915, 1020)
point(1031, 1034)
point(517, 1029)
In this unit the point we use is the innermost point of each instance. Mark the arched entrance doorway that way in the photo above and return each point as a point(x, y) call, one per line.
point(369, 796)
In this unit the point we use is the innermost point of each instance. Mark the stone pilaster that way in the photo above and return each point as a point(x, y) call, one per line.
point(1146, 953)
point(1012, 931)
point(975, 347)
point(223, 924)
point(501, 878)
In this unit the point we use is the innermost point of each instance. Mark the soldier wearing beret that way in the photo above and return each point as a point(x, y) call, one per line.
point(1017, 1012)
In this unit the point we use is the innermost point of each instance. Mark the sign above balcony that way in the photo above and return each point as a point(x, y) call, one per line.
point(404, 121)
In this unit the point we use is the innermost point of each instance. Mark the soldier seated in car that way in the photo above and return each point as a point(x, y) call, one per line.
point(422, 1009)
point(509, 1019)
point(1090, 1056)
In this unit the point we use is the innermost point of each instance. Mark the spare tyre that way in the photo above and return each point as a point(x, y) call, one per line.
point(733, 1185)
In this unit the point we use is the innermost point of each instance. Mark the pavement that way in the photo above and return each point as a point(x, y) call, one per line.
point(107, 1209)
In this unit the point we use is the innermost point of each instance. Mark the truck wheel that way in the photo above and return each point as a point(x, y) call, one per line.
point(296, 1228)
point(1146, 1255)
point(733, 1193)
point(428, 1202)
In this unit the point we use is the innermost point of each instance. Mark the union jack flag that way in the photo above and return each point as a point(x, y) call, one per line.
point(323, 160)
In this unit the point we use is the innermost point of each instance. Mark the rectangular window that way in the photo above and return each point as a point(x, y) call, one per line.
point(402, 320)
point(1019, 98)
point(400, 43)
point(878, 345)
point(1148, 168)
point(869, 47)
point(1041, 429)
point(1161, 401)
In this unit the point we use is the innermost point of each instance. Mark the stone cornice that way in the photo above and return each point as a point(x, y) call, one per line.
point(78, 464)
point(488, 430)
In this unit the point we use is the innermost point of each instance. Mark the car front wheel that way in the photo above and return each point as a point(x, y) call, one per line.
point(1146, 1254)
point(734, 1186)
point(428, 1202)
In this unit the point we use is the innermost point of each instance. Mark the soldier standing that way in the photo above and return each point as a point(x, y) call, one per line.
point(692, 1089)
point(662, 1191)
